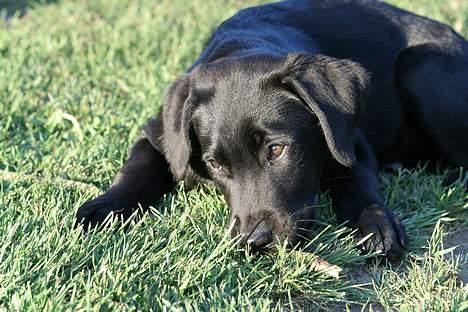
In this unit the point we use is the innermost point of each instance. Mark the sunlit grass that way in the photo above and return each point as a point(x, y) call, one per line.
point(78, 79)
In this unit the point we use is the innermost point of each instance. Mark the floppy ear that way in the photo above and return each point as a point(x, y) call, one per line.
point(335, 90)
point(175, 117)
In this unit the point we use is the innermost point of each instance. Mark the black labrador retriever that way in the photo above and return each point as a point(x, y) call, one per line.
point(293, 97)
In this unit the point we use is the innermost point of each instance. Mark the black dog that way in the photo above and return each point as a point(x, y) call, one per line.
point(292, 97)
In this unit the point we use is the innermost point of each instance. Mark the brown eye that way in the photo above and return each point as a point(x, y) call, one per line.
point(275, 151)
point(215, 165)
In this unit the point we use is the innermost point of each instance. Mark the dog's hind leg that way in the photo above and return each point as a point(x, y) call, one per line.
point(356, 199)
point(432, 81)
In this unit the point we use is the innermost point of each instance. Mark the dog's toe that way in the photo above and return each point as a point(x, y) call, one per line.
point(95, 212)
point(388, 233)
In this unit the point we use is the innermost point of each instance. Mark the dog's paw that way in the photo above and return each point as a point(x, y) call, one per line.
point(388, 233)
point(95, 212)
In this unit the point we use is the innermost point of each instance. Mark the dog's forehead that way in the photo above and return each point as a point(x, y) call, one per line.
point(239, 109)
point(238, 89)
point(231, 75)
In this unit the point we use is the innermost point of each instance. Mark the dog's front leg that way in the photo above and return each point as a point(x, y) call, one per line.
point(143, 179)
point(355, 198)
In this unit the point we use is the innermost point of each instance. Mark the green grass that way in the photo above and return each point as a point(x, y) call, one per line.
point(78, 79)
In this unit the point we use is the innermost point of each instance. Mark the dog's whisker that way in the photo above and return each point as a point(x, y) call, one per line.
point(303, 229)
point(343, 178)
point(305, 208)
point(315, 206)
point(302, 236)
point(298, 212)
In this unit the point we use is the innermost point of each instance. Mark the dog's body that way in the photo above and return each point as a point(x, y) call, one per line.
point(291, 97)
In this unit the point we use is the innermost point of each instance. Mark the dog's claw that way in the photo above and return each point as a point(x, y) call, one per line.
point(389, 236)
point(95, 212)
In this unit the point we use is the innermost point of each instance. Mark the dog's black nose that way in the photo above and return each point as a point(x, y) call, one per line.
point(260, 239)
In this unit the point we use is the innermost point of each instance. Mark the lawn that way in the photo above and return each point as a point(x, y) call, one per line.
point(78, 79)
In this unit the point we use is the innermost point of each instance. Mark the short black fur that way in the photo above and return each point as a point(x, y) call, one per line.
point(297, 96)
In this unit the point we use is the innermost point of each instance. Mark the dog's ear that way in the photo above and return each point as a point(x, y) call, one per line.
point(177, 140)
point(335, 90)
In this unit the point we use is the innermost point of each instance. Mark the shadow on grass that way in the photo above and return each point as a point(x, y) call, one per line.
point(11, 8)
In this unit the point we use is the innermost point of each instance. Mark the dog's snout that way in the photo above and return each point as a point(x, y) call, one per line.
point(255, 232)
point(260, 239)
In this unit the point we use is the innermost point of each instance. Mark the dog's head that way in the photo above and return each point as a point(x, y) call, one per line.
point(262, 128)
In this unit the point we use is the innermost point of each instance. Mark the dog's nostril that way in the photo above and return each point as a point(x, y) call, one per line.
point(260, 239)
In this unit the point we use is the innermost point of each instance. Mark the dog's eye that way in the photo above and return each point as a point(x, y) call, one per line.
point(275, 151)
point(215, 165)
